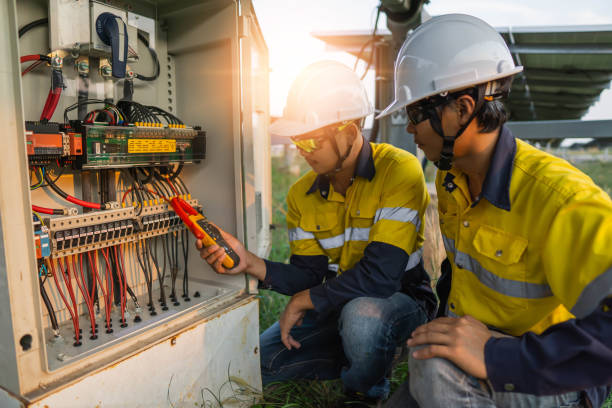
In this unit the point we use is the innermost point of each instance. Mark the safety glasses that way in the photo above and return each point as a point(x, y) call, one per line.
point(311, 142)
point(418, 112)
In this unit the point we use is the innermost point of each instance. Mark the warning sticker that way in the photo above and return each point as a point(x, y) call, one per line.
point(151, 146)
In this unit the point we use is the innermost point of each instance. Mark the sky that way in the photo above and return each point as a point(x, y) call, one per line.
point(287, 26)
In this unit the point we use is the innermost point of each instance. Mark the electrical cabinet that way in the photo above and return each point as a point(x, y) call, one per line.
point(157, 326)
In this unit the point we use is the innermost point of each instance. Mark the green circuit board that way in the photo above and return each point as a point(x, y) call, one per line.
point(122, 146)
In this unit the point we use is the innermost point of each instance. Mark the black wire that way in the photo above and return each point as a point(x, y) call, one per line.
point(160, 277)
point(61, 172)
point(155, 61)
point(54, 187)
point(144, 266)
point(32, 25)
point(368, 42)
point(176, 172)
point(90, 102)
point(183, 186)
point(185, 245)
point(47, 302)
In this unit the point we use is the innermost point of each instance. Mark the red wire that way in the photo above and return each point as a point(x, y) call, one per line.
point(43, 210)
point(26, 58)
point(73, 311)
point(61, 292)
point(82, 203)
point(84, 292)
point(68, 281)
point(31, 67)
point(45, 110)
point(107, 301)
point(57, 93)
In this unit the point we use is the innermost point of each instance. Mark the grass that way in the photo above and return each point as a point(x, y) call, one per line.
point(286, 169)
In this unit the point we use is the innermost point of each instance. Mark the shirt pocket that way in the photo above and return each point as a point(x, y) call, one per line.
point(502, 254)
point(321, 225)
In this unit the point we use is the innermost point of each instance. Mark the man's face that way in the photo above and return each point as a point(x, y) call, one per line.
point(429, 141)
point(323, 159)
point(424, 135)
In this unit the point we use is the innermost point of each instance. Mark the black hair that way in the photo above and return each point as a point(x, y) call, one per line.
point(491, 116)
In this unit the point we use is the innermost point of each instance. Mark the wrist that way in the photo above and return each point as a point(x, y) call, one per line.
point(255, 266)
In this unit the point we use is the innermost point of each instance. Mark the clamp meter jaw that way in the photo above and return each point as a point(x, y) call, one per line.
point(203, 230)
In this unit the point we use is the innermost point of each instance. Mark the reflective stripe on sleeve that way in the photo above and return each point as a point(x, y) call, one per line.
point(401, 214)
point(593, 294)
point(297, 234)
point(508, 287)
point(414, 258)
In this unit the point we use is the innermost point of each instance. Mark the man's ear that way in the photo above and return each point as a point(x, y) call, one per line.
point(465, 107)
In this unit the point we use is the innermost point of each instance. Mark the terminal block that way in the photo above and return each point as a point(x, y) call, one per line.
point(160, 219)
point(87, 232)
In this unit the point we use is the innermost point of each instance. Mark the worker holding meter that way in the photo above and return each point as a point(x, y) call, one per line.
point(526, 290)
point(355, 222)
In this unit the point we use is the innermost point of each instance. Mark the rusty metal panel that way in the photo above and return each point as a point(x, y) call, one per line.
point(219, 356)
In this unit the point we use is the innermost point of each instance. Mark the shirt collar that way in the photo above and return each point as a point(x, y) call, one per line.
point(496, 187)
point(364, 168)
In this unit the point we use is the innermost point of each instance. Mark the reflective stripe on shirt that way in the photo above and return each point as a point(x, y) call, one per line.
point(402, 214)
point(297, 234)
point(504, 286)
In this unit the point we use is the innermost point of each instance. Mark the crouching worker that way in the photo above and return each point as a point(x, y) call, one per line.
point(355, 222)
point(527, 286)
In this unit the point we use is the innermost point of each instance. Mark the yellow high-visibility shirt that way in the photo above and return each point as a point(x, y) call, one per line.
point(534, 249)
point(385, 203)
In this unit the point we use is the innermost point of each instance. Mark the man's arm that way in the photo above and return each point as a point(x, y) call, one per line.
point(569, 356)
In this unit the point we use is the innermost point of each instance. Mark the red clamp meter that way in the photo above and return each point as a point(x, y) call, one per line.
point(203, 230)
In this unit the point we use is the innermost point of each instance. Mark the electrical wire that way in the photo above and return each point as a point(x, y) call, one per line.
point(144, 263)
point(84, 292)
point(109, 289)
point(155, 61)
point(41, 179)
point(185, 245)
point(370, 41)
point(32, 25)
point(105, 293)
point(90, 102)
point(72, 199)
point(50, 211)
point(121, 278)
point(160, 278)
point(46, 299)
point(74, 313)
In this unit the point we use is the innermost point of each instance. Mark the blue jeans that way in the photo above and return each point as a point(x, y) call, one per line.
point(436, 382)
point(357, 346)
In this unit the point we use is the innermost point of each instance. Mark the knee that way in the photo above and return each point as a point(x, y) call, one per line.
point(431, 380)
point(362, 318)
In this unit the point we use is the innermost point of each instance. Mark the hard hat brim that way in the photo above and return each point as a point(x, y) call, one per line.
point(399, 104)
point(288, 128)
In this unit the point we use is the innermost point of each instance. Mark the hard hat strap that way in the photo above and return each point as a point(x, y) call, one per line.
point(341, 157)
point(446, 155)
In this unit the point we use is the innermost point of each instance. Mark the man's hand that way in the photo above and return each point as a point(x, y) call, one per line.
point(292, 316)
point(460, 340)
point(214, 254)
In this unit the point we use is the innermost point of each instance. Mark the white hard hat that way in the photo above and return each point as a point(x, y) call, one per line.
point(324, 93)
point(448, 53)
